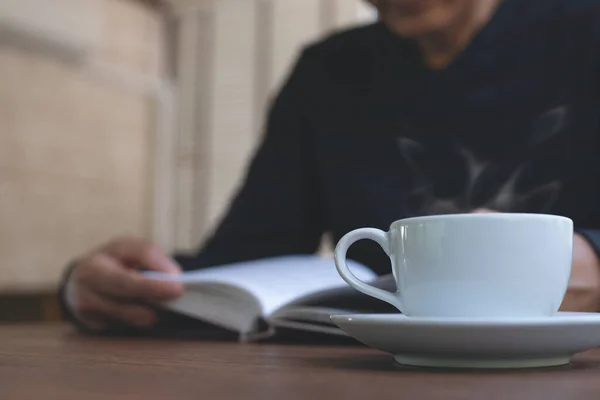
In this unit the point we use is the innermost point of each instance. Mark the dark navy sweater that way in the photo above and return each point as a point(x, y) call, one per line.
point(363, 133)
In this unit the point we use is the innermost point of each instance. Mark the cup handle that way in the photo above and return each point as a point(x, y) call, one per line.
point(341, 249)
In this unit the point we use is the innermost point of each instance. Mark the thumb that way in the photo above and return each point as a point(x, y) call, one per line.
point(483, 211)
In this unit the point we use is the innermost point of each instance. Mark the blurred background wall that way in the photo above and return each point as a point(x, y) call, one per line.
point(132, 117)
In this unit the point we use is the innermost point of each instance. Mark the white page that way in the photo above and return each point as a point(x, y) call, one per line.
point(275, 281)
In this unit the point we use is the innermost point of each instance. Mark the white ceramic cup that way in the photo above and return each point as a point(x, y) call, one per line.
point(471, 265)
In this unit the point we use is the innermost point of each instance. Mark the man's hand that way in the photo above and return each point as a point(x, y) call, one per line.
point(584, 286)
point(106, 285)
point(583, 294)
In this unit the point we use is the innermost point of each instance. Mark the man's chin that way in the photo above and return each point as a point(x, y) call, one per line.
point(413, 29)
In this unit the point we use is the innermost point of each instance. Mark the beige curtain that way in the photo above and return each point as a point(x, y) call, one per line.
point(81, 100)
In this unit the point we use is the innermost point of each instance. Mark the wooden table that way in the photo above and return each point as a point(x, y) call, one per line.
point(41, 362)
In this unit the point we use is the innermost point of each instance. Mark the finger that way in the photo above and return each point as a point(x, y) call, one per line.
point(483, 211)
point(142, 254)
point(95, 310)
point(106, 275)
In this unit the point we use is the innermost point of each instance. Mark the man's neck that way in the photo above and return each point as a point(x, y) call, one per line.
point(439, 49)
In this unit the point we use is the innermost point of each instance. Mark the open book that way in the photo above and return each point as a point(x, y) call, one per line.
point(256, 298)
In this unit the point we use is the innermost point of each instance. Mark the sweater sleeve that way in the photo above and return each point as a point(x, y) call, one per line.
point(592, 233)
point(277, 210)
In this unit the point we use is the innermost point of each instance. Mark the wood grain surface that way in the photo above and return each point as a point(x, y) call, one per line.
point(41, 362)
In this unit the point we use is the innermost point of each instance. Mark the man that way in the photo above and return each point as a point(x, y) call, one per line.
point(444, 106)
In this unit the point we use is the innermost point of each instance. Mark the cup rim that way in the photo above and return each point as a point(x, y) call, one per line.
point(504, 216)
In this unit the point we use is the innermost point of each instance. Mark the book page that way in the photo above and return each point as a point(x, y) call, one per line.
point(275, 281)
point(345, 298)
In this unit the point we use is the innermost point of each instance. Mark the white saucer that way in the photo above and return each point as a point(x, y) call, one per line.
point(476, 343)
